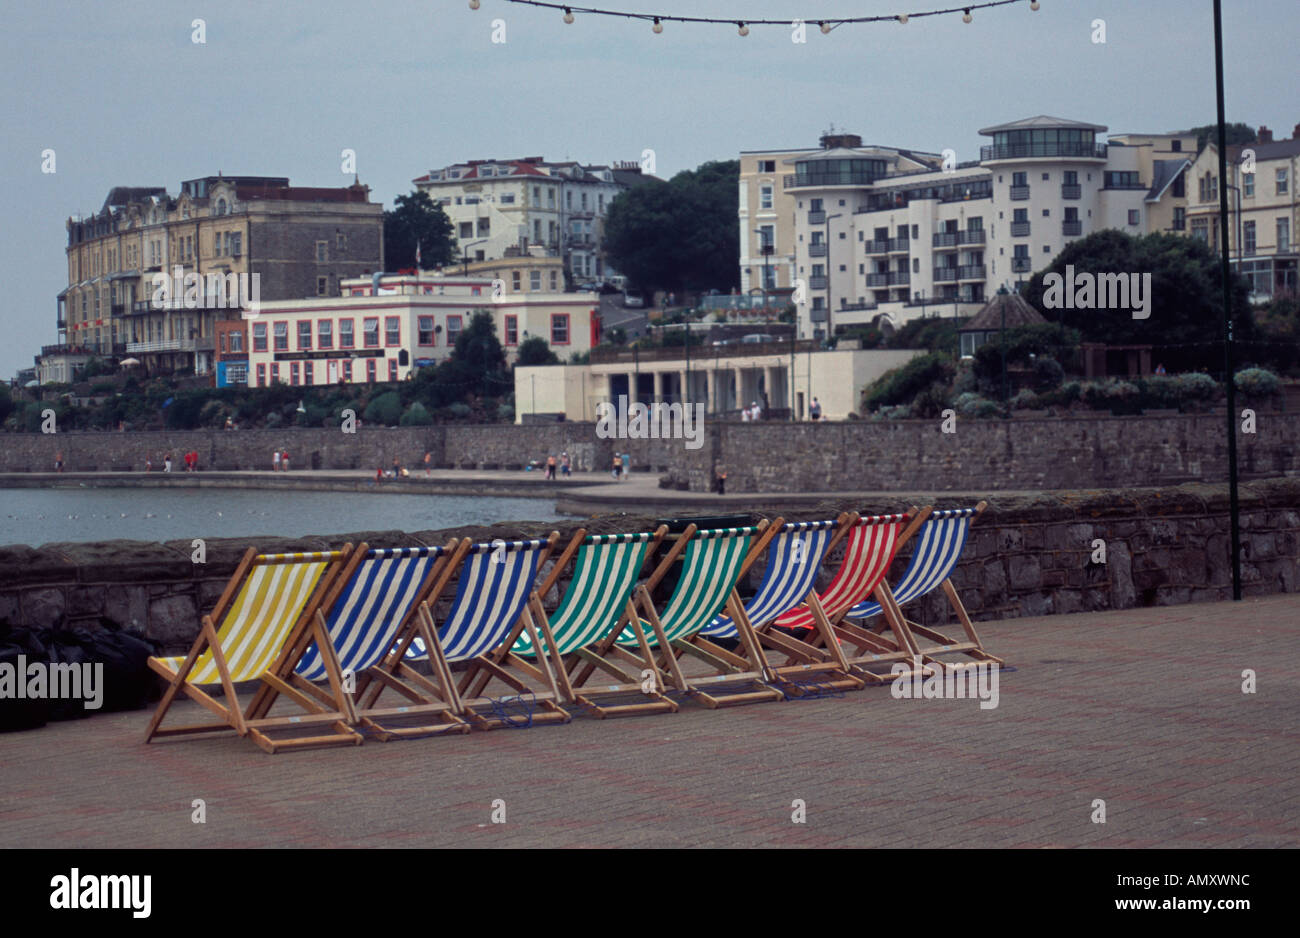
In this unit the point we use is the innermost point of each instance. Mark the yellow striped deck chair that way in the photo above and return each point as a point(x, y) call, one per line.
point(269, 600)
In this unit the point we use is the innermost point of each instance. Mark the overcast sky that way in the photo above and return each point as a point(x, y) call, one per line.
point(124, 97)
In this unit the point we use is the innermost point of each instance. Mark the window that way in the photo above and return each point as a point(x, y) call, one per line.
point(392, 369)
point(512, 330)
point(559, 328)
point(221, 206)
point(1201, 229)
point(1248, 236)
point(370, 370)
point(765, 197)
point(1047, 213)
point(508, 198)
point(1247, 185)
point(1047, 177)
point(1020, 179)
point(467, 229)
point(259, 338)
point(1209, 187)
point(370, 330)
point(322, 286)
point(1180, 218)
point(555, 284)
point(345, 333)
point(515, 280)
point(293, 373)
point(550, 197)
point(453, 329)
point(1127, 179)
point(340, 242)
point(322, 252)
point(767, 166)
point(392, 331)
point(325, 333)
point(236, 242)
point(261, 375)
point(1071, 178)
point(304, 336)
point(1179, 189)
point(1283, 235)
point(282, 337)
point(1281, 182)
point(308, 376)
point(425, 336)
point(237, 341)
point(275, 372)
point(534, 280)
point(347, 369)
point(1134, 216)
point(1019, 215)
point(1176, 146)
point(484, 227)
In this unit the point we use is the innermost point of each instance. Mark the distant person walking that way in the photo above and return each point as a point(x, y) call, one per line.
point(275, 461)
point(627, 465)
point(167, 463)
point(815, 411)
point(428, 463)
point(550, 466)
point(617, 467)
point(284, 460)
point(720, 475)
point(58, 461)
point(566, 467)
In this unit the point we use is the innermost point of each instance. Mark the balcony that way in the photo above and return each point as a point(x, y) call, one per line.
point(878, 280)
point(945, 239)
point(856, 307)
point(817, 249)
point(1020, 229)
point(945, 275)
point(858, 177)
point(1044, 150)
point(816, 218)
point(877, 247)
point(971, 236)
point(1072, 228)
point(117, 309)
point(1021, 265)
point(817, 282)
point(972, 272)
point(900, 278)
point(199, 344)
point(898, 246)
point(1019, 193)
point(1071, 191)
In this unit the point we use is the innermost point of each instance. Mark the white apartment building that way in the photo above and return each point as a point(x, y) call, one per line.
point(884, 235)
point(498, 207)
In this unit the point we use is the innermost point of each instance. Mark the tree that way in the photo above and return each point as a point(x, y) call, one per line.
point(1234, 133)
point(416, 219)
point(535, 351)
point(680, 235)
point(1185, 322)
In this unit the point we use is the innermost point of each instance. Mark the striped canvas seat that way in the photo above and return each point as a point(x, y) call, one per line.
point(938, 548)
point(490, 595)
point(365, 618)
point(793, 558)
point(604, 575)
point(870, 550)
point(262, 615)
point(712, 565)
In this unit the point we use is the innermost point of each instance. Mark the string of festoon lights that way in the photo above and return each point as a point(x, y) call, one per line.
point(657, 20)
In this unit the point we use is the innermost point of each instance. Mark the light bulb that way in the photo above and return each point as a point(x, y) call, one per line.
point(826, 28)
point(658, 26)
point(966, 17)
point(1033, 4)
point(744, 30)
point(902, 18)
point(568, 15)
point(473, 4)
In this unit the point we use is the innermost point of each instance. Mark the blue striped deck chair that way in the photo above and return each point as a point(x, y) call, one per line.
point(355, 628)
point(712, 565)
point(794, 557)
point(267, 604)
point(492, 593)
point(597, 602)
point(939, 546)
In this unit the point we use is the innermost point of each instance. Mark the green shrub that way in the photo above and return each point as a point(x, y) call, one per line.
point(1048, 373)
point(416, 416)
point(1025, 399)
point(1257, 382)
point(973, 405)
point(385, 409)
point(904, 385)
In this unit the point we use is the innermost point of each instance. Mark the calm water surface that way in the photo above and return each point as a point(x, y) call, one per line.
point(39, 516)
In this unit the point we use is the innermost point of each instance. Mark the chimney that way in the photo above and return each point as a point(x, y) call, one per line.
point(1265, 135)
point(1295, 133)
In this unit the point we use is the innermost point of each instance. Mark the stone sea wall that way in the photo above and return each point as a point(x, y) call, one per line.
point(1028, 554)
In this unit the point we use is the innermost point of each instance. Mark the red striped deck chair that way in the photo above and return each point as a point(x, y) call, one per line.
point(871, 545)
point(354, 628)
point(268, 602)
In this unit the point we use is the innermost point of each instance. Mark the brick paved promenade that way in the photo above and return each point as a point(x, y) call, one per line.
point(1142, 708)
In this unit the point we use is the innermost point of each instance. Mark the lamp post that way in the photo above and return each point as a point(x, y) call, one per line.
point(830, 330)
point(464, 256)
point(1233, 507)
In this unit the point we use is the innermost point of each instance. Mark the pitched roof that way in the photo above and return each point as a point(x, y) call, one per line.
point(1044, 121)
point(1265, 151)
point(1019, 313)
point(1164, 172)
point(352, 193)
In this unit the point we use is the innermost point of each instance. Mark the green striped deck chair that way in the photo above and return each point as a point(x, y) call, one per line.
point(712, 565)
point(598, 601)
point(267, 604)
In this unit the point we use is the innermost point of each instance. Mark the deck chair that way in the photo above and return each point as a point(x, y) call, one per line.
point(496, 580)
point(938, 549)
point(355, 627)
point(268, 602)
point(712, 565)
point(595, 605)
point(872, 543)
point(794, 557)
